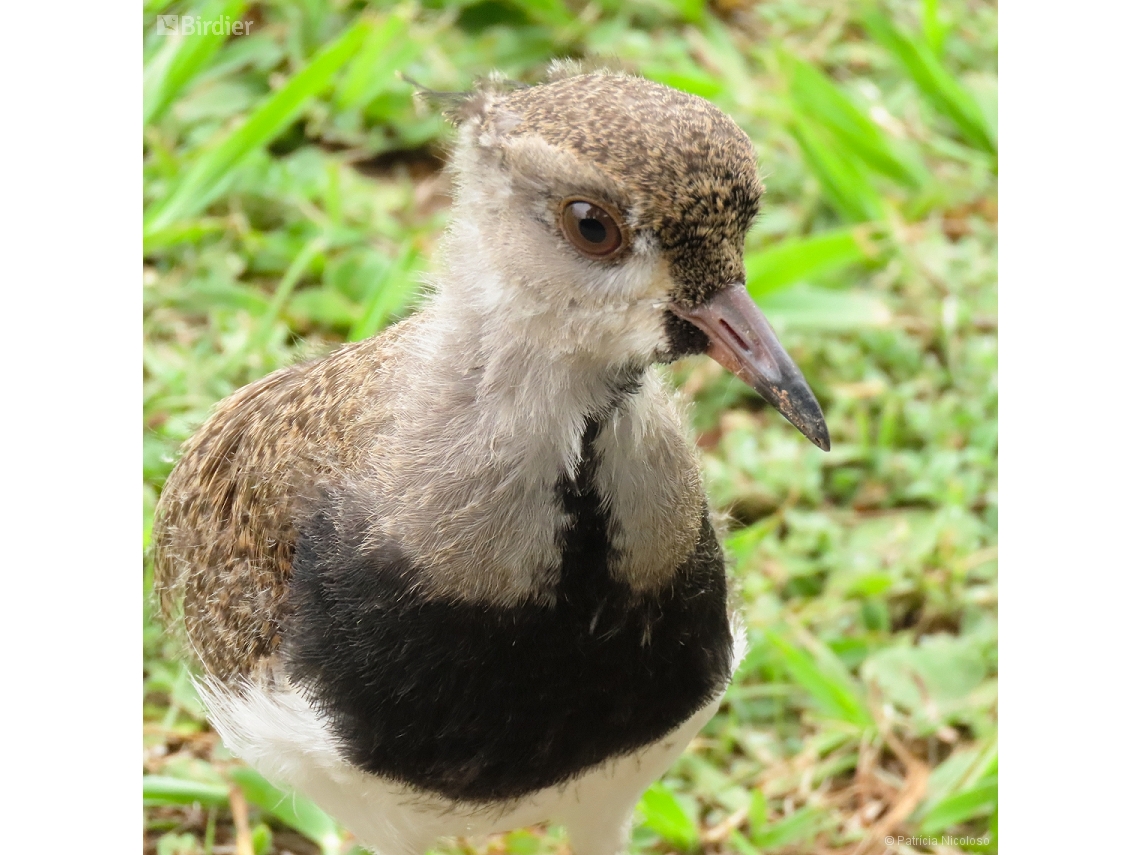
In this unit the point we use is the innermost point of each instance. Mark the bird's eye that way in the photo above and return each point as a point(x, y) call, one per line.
point(591, 229)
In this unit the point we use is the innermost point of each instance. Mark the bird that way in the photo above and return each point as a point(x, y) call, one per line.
point(462, 577)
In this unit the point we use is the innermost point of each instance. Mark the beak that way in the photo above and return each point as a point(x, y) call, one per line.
point(742, 340)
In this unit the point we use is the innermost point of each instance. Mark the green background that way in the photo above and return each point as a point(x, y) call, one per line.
point(293, 199)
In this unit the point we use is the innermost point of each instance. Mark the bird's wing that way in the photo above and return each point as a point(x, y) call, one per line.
point(224, 530)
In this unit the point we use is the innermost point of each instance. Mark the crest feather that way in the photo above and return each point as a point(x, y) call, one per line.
point(459, 107)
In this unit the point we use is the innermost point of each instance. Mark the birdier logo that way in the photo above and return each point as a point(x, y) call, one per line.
point(193, 25)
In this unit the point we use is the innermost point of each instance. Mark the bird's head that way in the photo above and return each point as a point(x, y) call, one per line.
point(606, 214)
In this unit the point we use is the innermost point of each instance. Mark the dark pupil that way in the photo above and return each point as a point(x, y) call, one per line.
point(592, 230)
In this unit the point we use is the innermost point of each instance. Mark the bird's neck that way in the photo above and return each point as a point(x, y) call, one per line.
point(486, 429)
point(523, 391)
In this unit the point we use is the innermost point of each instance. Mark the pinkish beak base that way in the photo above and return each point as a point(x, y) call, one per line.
point(742, 340)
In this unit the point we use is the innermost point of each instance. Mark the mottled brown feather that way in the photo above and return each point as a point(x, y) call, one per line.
point(691, 168)
point(224, 529)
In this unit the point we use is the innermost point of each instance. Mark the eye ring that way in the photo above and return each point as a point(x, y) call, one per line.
point(594, 229)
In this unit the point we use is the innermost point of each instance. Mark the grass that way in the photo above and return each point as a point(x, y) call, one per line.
point(293, 199)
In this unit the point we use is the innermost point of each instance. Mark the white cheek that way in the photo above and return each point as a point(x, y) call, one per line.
point(510, 265)
point(639, 281)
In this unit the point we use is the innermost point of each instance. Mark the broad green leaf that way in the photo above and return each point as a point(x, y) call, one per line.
point(937, 84)
point(664, 814)
point(208, 173)
point(932, 680)
point(795, 260)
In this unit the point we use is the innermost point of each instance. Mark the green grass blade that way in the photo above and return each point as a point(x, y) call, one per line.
point(207, 175)
point(968, 796)
point(548, 13)
point(801, 825)
point(689, 79)
point(165, 790)
point(823, 676)
point(940, 88)
point(181, 58)
point(281, 294)
point(295, 811)
point(824, 310)
point(692, 11)
point(386, 48)
point(741, 845)
point(758, 811)
point(815, 94)
point(844, 181)
point(664, 814)
point(932, 27)
point(986, 767)
point(187, 231)
point(797, 260)
point(978, 800)
point(389, 295)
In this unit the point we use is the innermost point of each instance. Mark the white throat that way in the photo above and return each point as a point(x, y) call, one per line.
point(490, 415)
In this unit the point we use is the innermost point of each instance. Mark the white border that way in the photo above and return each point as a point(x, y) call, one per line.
point(72, 84)
point(1070, 575)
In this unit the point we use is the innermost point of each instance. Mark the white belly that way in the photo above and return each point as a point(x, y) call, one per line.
point(280, 735)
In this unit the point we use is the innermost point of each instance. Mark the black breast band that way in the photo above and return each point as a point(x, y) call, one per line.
point(482, 703)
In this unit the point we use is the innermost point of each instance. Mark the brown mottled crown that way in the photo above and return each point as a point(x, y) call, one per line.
point(687, 169)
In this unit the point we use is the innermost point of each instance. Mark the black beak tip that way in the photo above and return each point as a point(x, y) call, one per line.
point(821, 439)
point(814, 427)
point(803, 410)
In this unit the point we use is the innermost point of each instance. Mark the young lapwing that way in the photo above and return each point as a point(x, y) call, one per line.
point(460, 577)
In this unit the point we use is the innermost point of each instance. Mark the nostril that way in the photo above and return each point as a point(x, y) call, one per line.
point(735, 336)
